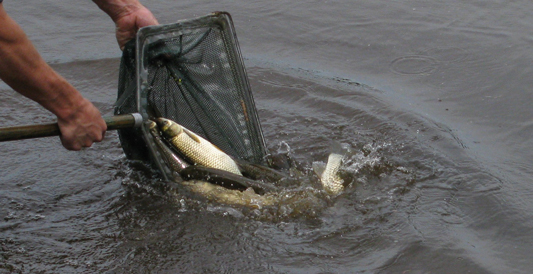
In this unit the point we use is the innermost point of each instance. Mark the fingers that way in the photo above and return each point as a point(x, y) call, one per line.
point(80, 142)
point(81, 136)
point(128, 24)
point(83, 128)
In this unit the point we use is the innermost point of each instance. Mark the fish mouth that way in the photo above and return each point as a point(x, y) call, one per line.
point(168, 127)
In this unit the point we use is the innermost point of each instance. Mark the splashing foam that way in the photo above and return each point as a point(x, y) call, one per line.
point(369, 157)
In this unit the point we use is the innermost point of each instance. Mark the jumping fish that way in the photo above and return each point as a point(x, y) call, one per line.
point(197, 149)
point(329, 174)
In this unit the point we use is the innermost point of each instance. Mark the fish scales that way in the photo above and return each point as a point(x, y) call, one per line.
point(196, 148)
point(174, 161)
point(204, 153)
point(330, 178)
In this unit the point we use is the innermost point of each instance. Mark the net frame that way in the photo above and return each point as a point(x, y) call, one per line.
point(239, 125)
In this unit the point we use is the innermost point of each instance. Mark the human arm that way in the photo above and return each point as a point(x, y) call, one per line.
point(22, 68)
point(128, 15)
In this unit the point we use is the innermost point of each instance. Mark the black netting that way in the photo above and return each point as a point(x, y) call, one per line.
point(131, 139)
point(193, 75)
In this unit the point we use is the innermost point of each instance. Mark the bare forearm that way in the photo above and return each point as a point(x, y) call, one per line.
point(23, 69)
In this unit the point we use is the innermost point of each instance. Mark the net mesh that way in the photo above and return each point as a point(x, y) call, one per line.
point(190, 72)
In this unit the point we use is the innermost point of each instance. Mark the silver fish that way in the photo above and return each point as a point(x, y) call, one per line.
point(231, 197)
point(329, 175)
point(224, 178)
point(196, 180)
point(197, 149)
point(174, 161)
point(230, 188)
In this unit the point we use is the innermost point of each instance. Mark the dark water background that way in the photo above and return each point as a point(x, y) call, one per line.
point(434, 97)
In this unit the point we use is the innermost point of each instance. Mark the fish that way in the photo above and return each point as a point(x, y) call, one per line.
point(212, 175)
point(219, 194)
point(195, 148)
point(259, 172)
point(213, 184)
point(175, 162)
point(216, 176)
point(225, 179)
point(329, 174)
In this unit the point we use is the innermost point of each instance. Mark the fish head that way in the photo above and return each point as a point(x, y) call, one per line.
point(153, 128)
point(169, 127)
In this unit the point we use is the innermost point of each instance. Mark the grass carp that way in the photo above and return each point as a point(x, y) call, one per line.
point(216, 176)
point(224, 178)
point(174, 161)
point(197, 149)
point(329, 174)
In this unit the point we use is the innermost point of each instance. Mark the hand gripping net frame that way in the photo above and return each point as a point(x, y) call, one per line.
point(191, 72)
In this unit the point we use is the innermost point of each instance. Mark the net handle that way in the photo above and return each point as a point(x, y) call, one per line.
point(46, 130)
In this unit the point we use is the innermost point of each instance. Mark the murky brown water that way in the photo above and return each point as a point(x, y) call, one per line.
point(434, 98)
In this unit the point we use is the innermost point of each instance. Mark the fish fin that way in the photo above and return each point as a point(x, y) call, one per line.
point(338, 148)
point(192, 135)
point(318, 168)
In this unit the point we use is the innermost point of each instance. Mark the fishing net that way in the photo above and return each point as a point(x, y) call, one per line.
point(191, 72)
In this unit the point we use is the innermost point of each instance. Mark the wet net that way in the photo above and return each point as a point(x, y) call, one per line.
point(191, 72)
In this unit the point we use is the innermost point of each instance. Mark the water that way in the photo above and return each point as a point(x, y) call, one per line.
point(434, 97)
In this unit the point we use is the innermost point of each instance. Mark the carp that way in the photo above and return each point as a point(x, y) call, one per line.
point(197, 149)
point(217, 176)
